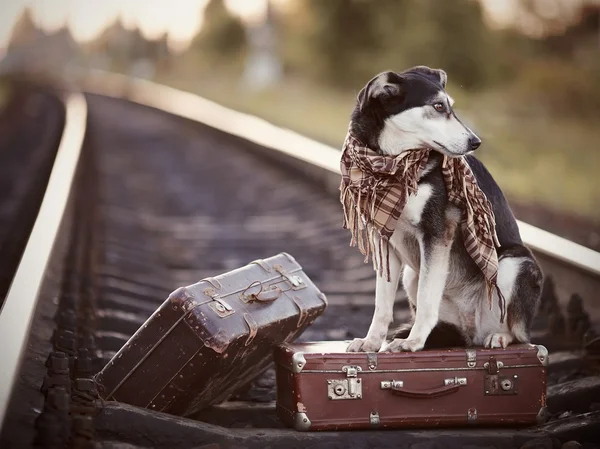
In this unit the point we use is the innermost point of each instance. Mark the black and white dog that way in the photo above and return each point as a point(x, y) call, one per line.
point(396, 112)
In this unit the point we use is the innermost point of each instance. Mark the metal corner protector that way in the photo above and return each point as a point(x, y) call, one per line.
point(542, 355)
point(542, 415)
point(301, 421)
point(298, 362)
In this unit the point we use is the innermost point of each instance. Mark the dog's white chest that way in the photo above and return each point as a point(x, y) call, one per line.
point(414, 207)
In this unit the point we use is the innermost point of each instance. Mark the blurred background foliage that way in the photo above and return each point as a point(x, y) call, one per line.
point(530, 88)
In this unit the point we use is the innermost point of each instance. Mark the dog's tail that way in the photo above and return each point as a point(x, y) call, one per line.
point(443, 336)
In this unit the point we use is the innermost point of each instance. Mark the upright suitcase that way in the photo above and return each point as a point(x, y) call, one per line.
point(210, 338)
point(322, 387)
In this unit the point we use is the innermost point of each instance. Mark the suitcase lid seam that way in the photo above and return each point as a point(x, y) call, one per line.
point(225, 295)
point(408, 370)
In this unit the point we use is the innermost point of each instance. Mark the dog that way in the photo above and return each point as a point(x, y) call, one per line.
point(396, 112)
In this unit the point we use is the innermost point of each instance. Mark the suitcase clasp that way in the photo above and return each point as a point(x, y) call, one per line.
point(296, 281)
point(493, 366)
point(471, 358)
point(351, 371)
point(219, 305)
point(349, 388)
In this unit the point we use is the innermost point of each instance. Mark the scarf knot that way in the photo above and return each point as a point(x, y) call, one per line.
point(375, 189)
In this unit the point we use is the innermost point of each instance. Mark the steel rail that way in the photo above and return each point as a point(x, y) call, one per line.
point(19, 307)
point(290, 143)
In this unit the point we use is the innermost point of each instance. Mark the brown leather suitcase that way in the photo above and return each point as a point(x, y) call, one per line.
point(322, 387)
point(208, 339)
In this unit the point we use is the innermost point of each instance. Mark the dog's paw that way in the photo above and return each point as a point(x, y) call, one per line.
point(498, 340)
point(364, 345)
point(401, 344)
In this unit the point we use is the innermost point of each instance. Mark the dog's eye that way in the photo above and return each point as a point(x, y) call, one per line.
point(439, 107)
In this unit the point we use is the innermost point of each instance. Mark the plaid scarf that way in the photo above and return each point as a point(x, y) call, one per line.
point(375, 189)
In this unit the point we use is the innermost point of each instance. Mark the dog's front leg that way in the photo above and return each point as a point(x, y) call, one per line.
point(435, 257)
point(385, 294)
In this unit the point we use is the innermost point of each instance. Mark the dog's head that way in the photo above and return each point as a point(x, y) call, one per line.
point(410, 110)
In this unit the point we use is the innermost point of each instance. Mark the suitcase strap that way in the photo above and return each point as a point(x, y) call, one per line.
point(252, 328)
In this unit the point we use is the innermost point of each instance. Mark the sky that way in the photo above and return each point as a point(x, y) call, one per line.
point(86, 18)
point(181, 18)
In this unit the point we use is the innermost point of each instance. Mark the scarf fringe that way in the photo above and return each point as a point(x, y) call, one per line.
point(363, 235)
point(491, 286)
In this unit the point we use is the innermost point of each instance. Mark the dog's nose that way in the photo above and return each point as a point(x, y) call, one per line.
point(474, 142)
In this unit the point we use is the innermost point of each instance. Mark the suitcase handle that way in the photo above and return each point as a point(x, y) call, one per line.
point(267, 295)
point(264, 296)
point(425, 394)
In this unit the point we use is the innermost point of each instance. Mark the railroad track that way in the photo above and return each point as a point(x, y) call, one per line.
point(166, 189)
point(30, 127)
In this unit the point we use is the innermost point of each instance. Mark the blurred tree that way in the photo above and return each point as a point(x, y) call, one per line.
point(339, 40)
point(582, 33)
point(464, 45)
point(404, 34)
point(115, 48)
point(222, 36)
point(30, 48)
point(548, 17)
point(24, 31)
point(162, 52)
point(563, 76)
point(345, 42)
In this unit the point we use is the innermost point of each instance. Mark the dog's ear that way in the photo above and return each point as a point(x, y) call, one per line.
point(384, 84)
point(436, 75)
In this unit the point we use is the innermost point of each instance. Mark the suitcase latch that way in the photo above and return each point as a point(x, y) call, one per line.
point(349, 388)
point(494, 384)
point(351, 371)
point(296, 281)
point(493, 366)
point(471, 358)
point(219, 305)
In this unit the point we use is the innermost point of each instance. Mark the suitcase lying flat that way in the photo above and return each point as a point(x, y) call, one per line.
point(210, 338)
point(322, 387)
